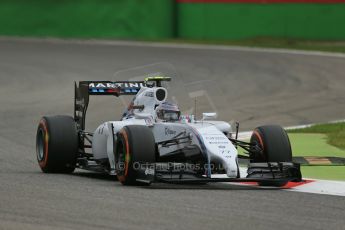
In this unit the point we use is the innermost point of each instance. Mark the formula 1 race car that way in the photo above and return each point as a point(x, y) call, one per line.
point(154, 142)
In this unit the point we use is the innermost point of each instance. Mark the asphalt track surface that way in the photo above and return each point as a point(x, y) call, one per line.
point(36, 78)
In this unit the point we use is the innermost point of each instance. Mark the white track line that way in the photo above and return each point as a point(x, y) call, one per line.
point(327, 187)
point(175, 46)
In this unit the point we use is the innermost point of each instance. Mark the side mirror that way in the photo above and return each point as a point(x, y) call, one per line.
point(209, 116)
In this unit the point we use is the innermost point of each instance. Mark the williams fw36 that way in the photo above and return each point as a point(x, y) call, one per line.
point(153, 142)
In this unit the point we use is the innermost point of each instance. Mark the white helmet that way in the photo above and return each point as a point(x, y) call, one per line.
point(168, 112)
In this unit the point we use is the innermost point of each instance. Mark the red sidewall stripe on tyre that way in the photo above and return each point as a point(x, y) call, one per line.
point(43, 162)
point(122, 178)
point(257, 134)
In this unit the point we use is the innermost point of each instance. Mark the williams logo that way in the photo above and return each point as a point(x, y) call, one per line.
point(169, 132)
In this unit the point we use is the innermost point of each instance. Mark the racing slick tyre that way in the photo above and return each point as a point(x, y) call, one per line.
point(57, 144)
point(275, 145)
point(135, 144)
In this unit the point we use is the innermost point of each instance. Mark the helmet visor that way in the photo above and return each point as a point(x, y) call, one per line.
point(167, 115)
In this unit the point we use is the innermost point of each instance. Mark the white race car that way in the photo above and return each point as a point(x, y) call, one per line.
point(153, 142)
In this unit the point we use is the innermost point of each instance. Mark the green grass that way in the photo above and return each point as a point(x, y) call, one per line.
point(316, 144)
point(313, 144)
point(320, 140)
point(335, 133)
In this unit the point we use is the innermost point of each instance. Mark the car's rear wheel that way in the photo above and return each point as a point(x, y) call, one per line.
point(135, 145)
point(274, 144)
point(57, 144)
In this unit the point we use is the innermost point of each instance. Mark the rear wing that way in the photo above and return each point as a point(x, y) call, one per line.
point(84, 89)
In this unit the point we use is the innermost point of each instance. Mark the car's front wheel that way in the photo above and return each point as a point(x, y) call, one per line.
point(135, 145)
point(274, 146)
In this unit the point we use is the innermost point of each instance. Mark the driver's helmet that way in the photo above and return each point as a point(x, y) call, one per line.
point(167, 111)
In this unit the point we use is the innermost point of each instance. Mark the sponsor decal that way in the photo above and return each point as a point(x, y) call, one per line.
point(149, 171)
point(149, 121)
point(116, 85)
point(80, 101)
point(101, 85)
point(101, 129)
point(149, 94)
point(79, 113)
point(169, 132)
point(217, 140)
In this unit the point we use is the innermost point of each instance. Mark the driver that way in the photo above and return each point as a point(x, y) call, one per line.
point(168, 112)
